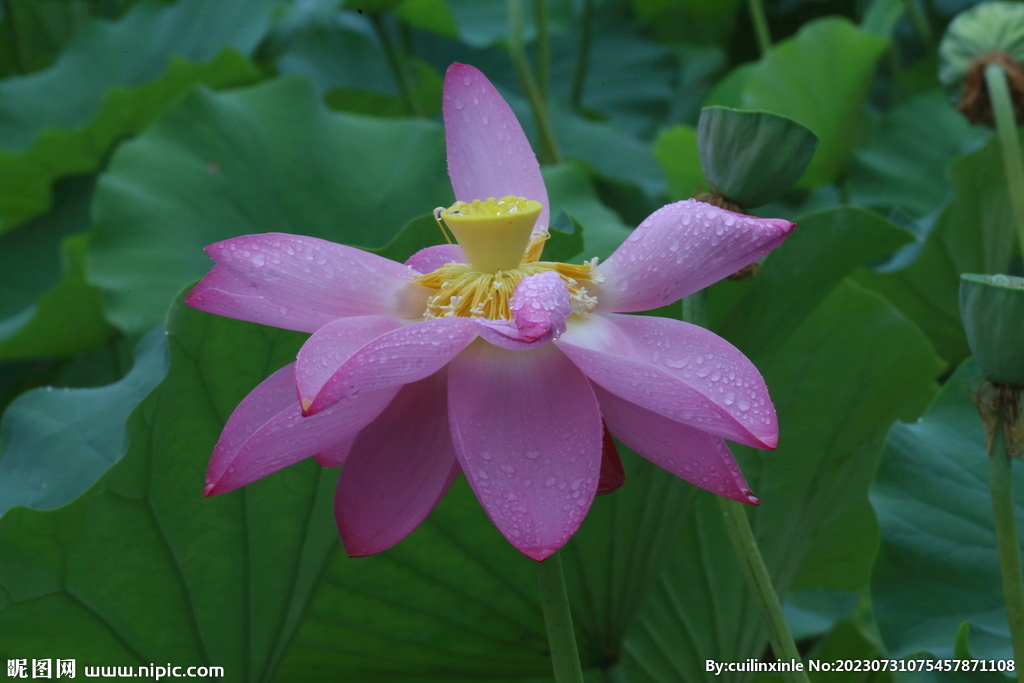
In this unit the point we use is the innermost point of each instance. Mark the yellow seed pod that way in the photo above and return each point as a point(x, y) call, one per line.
point(494, 233)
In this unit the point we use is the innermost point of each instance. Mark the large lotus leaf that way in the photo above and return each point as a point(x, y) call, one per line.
point(56, 442)
point(613, 154)
point(903, 167)
point(142, 568)
point(971, 235)
point(334, 50)
point(759, 314)
point(46, 306)
point(109, 83)
point(630, 78)
point(270, 158)
point(676, 151)
point(454, 600)
point(938, 565)
point(481, 24)
point(819, 78)
point(570, 190)
point(838, 382)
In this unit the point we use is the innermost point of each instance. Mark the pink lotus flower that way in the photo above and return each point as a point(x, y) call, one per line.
point(505, 367)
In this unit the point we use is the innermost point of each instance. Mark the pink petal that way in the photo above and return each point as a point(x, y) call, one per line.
point(398, 357)
point(613, 474)
point(678, 370)
point(332, 345)
point(335, 455)
point(400, 467)
point(430, 259)
point(680, 249)
point(540, 307)
point(687, 452)
point(267, 432)
point(488, 153)
point(527, 432)
point(302, 283)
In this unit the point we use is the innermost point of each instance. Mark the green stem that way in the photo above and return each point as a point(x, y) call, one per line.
point(1000, 473)
point(565, 660)
point(20, 56)
point(579, 78)
point(695, 310)
point(540, 9)
point(757, 16)
point(919, 20)
point(1006, 127)
point(548, 146)
point(397, 65)
point(614, 674)
point(760, 582)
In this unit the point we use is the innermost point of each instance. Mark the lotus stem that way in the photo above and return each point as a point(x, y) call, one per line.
point(920, 21)
point(760, 21)
point(1000, 475)
point(21, 60)
point(397, 65)
point(1006, 128)
point(565, 659)
point(695, 310)
point(614, 674)
point(760, 583)
point(548, 146)
point(579, 79)
point(540, 9)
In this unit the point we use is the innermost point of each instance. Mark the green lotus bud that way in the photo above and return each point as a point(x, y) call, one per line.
point(752, 157)
point(992, 32)
point(992, 308)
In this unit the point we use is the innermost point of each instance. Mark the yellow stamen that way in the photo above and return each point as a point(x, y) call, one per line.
point(494, 233)
point(462, 291)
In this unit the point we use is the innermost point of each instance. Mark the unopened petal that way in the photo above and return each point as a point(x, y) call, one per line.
point(678, 370)
point(267, 431)
point(301, 283)
point(398, 469)
point(398, 357)
point(527, 432)
point(540, 308)
point(680, 249)
point(488, 153)
point(687, 452)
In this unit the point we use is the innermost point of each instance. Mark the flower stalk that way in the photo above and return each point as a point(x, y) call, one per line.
point(754, 570)
point(565, 659)
point(745, 543)
point(579, 78)
point(548, 147)
point(540, 9)
point(1006, 128)
point(1000, 475)
point(760, 21)
point(397, 64)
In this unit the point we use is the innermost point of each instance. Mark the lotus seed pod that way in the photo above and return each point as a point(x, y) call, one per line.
point(992, 309)
point(992, 32)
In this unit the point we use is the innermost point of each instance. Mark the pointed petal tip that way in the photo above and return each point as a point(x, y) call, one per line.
point(538, 554)
point(752, 499)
